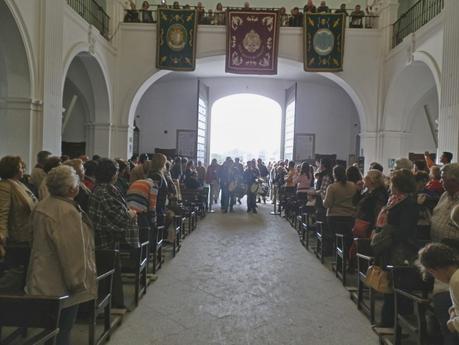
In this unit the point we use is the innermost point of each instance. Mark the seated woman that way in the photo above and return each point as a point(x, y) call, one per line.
point(16, 205)
point(63, 259)
point(394, 240)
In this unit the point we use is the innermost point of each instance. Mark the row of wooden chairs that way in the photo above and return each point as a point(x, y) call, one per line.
point(42, 312)
point(407, 282)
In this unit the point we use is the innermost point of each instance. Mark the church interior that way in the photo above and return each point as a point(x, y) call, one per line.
point(200, 173)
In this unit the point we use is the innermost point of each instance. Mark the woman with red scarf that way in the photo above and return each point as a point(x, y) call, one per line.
point(396, 223)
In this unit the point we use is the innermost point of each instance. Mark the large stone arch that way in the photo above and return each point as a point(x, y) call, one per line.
point(18, 111)
point(86, 76)
point(134, 96)
point(405, 125)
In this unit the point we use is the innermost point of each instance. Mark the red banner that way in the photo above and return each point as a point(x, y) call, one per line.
point(252, 42)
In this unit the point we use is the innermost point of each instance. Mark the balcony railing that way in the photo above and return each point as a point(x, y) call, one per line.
point(93, 13)
point(417, 16)
point(219, 17)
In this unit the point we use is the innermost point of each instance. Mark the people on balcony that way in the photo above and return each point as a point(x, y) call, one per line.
point(296, 18)
point(342, 9)
point(283, 17)
point(309, 7)
point(147, 16)
point(219, 15)
point(323, 8)
point(357, 17)
point(201, 12)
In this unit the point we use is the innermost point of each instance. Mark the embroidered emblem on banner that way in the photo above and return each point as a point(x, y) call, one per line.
point(252, 42)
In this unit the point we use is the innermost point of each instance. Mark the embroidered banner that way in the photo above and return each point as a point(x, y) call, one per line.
point(176, 39)
point(324, 42)
point(252, 42)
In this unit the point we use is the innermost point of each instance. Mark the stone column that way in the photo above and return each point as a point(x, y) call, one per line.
point(368, 147)
point(448, 131)
point(98, 139)
point(393, 143)
point(22, 124)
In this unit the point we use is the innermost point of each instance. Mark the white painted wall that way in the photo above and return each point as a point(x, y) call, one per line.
point(323, 108)
point(166, 106)
point(327, 111)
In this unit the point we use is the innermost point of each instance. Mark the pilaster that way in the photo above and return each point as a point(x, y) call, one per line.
point(52, 23)
point(448, 131)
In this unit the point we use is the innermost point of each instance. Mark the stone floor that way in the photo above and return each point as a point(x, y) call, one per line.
point(244, 279)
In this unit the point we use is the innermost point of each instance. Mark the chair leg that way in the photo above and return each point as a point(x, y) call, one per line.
point(92, 323)
point(372, 305)
point(137, 288)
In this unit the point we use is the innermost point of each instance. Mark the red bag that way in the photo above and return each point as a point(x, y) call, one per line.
point(360, 228)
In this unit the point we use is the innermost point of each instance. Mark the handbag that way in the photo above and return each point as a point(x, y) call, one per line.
point(378, 279)
point(360, 228)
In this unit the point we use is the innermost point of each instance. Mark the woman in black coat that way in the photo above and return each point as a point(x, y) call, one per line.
point(394, 240)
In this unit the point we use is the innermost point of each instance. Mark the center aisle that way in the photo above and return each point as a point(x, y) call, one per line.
point(244, 279)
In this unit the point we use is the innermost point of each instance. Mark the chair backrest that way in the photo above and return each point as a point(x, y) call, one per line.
point(364, 247)
point(105, 260)
point(410, 279)
point(344, 226)
point(30, 311)
point(319, 227)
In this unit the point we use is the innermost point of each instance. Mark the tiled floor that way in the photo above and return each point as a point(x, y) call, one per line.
point(244, 279)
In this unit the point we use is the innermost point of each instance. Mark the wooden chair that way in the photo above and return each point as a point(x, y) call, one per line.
point(156, 247)
point(178, 223)
point(22, 312)
point(105, 261)
point(365, 259)
point(135, 262)
point(343, 241)
point(409, 284)
point(323, 243)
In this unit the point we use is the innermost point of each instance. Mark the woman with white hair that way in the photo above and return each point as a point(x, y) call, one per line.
point(62, 261)
point(370, 204)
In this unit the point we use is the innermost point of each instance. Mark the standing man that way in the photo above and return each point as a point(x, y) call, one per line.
point(251, 175)
point(225, 180)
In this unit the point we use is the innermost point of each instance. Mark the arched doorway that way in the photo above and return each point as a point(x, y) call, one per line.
point(16, 108)
point(289, 71)
point(411, 113)
point(86, 125)
point(245, 126)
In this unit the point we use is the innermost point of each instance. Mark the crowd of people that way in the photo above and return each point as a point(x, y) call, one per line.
point(66, 208)
point(358, 18)
point(410, 215)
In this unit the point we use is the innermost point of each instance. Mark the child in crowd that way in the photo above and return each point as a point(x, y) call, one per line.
point(442, 263)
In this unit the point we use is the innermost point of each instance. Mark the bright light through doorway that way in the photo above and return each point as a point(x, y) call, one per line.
point(245, 126)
